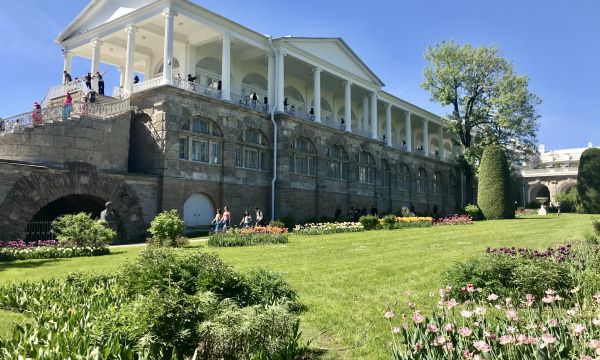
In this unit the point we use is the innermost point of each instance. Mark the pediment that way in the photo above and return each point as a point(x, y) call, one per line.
point(100, 12)
point(336, 52)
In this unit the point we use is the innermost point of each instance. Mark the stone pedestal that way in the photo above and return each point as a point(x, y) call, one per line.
point(542, 211)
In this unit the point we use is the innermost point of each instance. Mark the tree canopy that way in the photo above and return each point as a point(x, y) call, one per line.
point(490, 103)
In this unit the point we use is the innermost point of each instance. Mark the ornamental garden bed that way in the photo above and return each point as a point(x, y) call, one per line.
point(249, 237)
point(328, 228)
point(49, 249)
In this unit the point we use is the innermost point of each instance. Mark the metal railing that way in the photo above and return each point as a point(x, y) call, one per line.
point(246, 101)
point(60, 90)
point(17, 123)
point(39, 230)
point(361, 132)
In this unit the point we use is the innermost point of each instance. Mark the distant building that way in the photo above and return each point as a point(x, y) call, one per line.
point(550, 172)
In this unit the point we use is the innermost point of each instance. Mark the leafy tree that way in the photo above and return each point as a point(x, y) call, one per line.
point(81, 230)
point(167, 228)
point(495, 194)
point(490, 103)
point(588, 182)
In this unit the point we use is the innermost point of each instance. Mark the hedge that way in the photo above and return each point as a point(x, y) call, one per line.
point(494, 190)
point(588, 182)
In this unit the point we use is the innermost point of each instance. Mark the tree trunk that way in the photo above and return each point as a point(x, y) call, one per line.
point(469, 184)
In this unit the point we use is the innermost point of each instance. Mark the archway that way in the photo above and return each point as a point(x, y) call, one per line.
point(198, 210)
point(159, 68)
point(538, 191)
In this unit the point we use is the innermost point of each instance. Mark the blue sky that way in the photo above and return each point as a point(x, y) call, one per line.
point(554, 42)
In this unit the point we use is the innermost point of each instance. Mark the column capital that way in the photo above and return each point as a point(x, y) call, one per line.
point(168, 12)
point(130, 29)
point(67, 54)
point(348, 83)
point(227, 35)
point(388, 106)
point(280, 52)
point(317, 69)
point(96, 43)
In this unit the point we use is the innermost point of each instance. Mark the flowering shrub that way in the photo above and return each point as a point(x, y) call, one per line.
point(453, 220)
point(474, 212)
point(500, 328)
point(414, 221)
point(50, 252)
point(526, 212)
point(249, 236)
point(20, 244)
point(560, 253)
point(328, 228)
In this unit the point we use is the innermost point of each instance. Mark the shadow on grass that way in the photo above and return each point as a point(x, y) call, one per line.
point(26, 264)
point(536, 218)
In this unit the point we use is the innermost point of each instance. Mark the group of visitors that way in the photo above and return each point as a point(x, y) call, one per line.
point(222, 219)
point(88, 80)
point(356, 213)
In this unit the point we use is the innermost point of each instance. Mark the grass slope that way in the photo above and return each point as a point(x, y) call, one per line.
point(346, 280)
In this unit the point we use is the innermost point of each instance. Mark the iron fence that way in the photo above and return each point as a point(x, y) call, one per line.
point(39, 230)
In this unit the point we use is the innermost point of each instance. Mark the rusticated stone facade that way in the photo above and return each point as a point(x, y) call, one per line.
point(138, 162)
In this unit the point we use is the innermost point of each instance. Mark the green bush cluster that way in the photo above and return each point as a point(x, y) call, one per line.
point(588, 182)
point(567, 201)
point(369, 222)
point(164, 306)
point(474, 212)
point(51, 252)
point(494, 195)
point(167, 230)
point(243, 237)
point(81, 230)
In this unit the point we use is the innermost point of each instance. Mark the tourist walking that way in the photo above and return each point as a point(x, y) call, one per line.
point(226, 218)
point(67, 77)
point(37, 114)
point(342, 124)
point(246, 219)
point(217, 220)
point(100, 83)
point(136, 79)
point(259, 217)
point(88, 81)
point(67, 106)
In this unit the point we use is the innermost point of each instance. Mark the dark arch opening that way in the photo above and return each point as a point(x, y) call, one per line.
point(543, 192)
point(144, 153)
point(39, 228)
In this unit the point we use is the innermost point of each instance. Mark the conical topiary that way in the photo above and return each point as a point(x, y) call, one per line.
point(588, 182)
point(494, 190)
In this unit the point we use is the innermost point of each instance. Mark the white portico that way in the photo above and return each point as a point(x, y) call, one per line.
point(161, 42)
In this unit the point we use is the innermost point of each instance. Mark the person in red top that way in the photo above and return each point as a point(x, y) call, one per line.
point(67, 106)
point(37, 114)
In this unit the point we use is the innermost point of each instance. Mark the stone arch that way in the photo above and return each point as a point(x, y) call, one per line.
point(564, 187)
point(342, 111)
point(535, 191)
point(294, 97)
point(31, 193)
point(256, 80)
point(209, 64)
point(159, 68)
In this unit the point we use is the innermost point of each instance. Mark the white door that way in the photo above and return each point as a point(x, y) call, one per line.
point(198, 210)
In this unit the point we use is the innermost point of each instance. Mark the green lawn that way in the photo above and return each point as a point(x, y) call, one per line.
point(345, 280)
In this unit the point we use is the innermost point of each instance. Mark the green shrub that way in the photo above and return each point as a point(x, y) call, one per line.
point(369, 222)
point(567, 201)
point(277, 224)
point(81, 230)
point(588, 182)
point(166, 228)
point(269, 288)
point(248, 237)
point(474, 212)
point(288, 222)
point(389, 222)
point(494, 195)
point(596, 226)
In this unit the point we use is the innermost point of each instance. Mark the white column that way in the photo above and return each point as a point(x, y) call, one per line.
point(348, 105)
point(280, 78)
point(121, 76)
point(187, 62)
point(168, 47)
point(226, 68)
point(96, 46)
point(408, 132)
point(388, 124)
point(129, 59)
point(374, 122)
point(67, 63)
point(365, 110)
point(317, 93)
point(426, 137)
point(271, 79)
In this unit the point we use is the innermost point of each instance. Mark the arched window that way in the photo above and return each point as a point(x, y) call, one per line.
point(304, 160)
point(254, 83)
point(366, 168)
point(437, 183)
point(387, 173)
point(337, 163)
point(403, 177)
point(208, 72)
point(326, 110)
point(422, 181)
point(295, 98)
point(201, 140)
point(252, 152)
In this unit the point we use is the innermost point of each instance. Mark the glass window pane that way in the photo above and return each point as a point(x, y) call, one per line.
point(183, 153)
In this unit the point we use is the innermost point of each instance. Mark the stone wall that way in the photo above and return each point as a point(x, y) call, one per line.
point(101, 142)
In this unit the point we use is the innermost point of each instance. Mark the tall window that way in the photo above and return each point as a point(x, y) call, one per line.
point(422, 181)
point(451, 183)
point(304, 158)
point(387, 173)
point(366, 168)
point(403, 177)
point(337, 163)
point(252, 152)
point(200, 141)
point(437, 183)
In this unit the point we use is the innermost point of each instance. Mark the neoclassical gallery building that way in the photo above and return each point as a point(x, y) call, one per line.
point(296, 126)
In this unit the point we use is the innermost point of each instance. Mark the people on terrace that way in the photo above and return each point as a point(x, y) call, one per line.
point(67, 77)
point(266, 103)
point(67, 106)
point(191, 78)
point(312, 113)
point(100, 82)
point(88, 80)
point(136, 79)
point(342, 124)
point(37, 114)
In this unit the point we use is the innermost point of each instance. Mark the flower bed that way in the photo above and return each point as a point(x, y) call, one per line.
point(49, 249)
point(328, 228)
point(408, 222)
point(559, 254)
point(526, 212)
point(249, 237)
point(453, 220)
point(499, 328)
